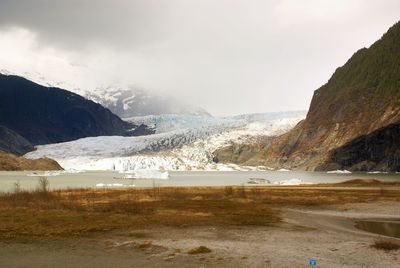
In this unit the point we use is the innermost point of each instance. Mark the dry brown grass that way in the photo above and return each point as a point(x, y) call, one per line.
point(361, 182)
point(88, 211)
point(386, 245)
point(199, 250)
point(13, 163)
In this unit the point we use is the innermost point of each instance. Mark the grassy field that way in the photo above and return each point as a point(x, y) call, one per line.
point(86, 212)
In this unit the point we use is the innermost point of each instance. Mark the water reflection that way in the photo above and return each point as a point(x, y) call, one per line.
point(387, 228)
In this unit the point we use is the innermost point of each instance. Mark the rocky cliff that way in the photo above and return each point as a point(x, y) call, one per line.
point(246, 154)
point(12, 142)
point(349, 116)
point(378, 150)
point(361, 97)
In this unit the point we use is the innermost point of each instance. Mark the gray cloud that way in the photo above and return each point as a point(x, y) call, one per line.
point(77, 23)
point(229, 56)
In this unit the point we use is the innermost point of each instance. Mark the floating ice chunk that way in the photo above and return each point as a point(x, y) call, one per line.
point(283, 169)
point(109, 185)
point(223, 167)
point(258, 181)
point(73, 171)
point(147, 174)
point(45, 174)
point(290, 182)
point(34, 174)
point(339, 171)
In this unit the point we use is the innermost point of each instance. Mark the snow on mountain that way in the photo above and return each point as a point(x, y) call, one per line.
point(181, 142)
point(169, 122)
point(129, 101)
point(185, 136)
point(44, 81)
point(122, 100)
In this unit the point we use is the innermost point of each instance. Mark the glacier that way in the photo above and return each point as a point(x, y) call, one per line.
point(181, 142)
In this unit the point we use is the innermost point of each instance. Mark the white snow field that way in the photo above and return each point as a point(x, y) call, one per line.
point(181, 142)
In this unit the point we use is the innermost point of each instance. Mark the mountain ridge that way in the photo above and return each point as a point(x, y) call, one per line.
point(49, 115)
point(358, 104)
point(12, 142)
point(122, 100)
point(361, 97)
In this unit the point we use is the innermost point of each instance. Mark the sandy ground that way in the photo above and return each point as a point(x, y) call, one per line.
point(326, 234)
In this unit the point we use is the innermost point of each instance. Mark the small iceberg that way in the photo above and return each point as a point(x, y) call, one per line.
point(126, 177)
point(110, 185)
point(223, 167)
point(339, 171)
point(74, 171)
point(45, 174)
point(290, 182)
point(258, 181)
point(263, 168)
point(283, 169)
point(145, 174)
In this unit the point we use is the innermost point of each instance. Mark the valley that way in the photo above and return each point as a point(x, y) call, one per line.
point(199, 134)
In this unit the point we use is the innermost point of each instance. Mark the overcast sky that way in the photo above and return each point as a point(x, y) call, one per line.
point(228, 56)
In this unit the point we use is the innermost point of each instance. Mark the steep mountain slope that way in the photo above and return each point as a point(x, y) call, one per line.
point(245, 153)
point(45, 115)
point(365, 152)
point(361, 97)
point(12, 142)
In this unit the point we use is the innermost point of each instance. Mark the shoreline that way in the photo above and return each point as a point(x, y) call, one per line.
point(189, 179)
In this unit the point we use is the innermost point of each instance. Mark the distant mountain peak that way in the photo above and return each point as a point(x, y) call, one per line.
point(130, 101)
point(123, 100)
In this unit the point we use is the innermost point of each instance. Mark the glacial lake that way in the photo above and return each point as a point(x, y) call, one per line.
point(90, 179)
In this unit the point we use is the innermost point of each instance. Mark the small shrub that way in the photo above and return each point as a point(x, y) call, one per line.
point(43, 185)
point(199, 250)
point(156, 190)
point(242, 191)
point(228, 191)
point(386, 245)
point(145, 245)
point(17, 187)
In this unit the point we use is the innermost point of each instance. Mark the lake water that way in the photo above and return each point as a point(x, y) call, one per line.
point(387, 228)
point(180, 178)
